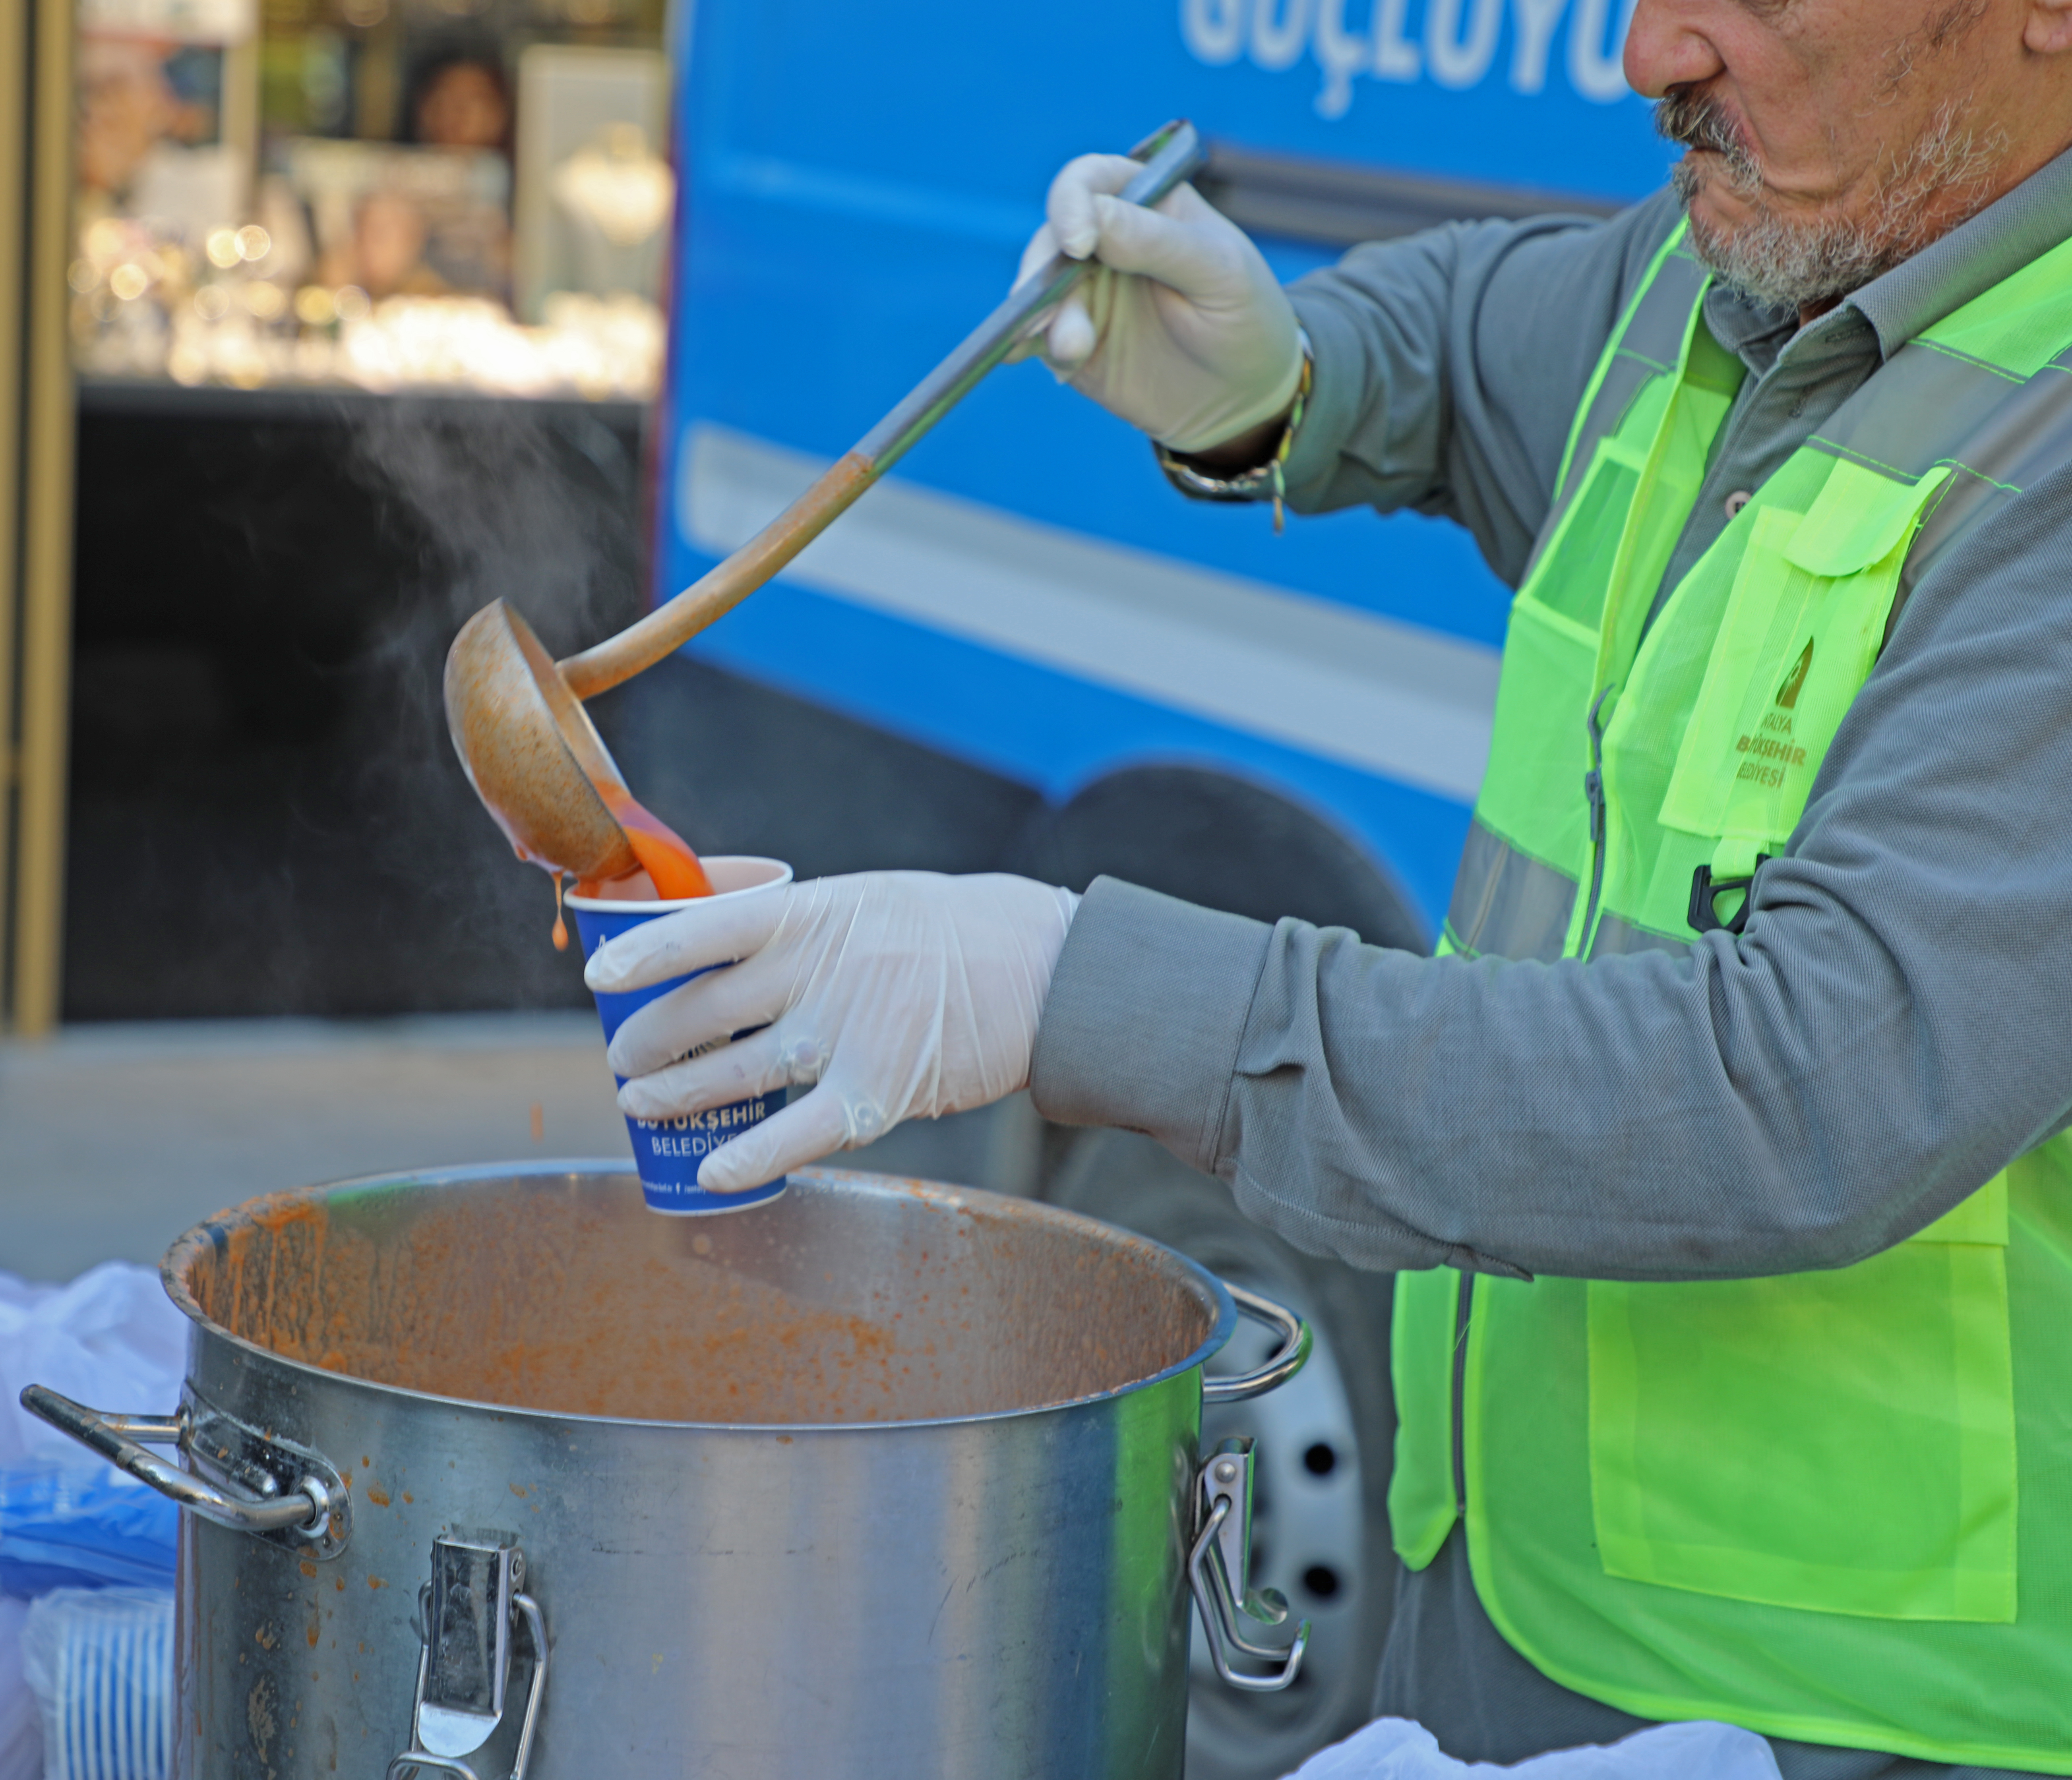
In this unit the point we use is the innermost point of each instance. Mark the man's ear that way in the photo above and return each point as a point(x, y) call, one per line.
point(2048, 30)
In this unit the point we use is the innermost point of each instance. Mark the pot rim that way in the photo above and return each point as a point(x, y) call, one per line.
point(213, 1232)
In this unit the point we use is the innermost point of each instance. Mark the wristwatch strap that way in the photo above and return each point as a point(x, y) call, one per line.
point(1265, 481)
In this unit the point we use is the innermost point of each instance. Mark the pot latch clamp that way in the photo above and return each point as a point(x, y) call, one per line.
point(1219, 1566)
point(470, 1611)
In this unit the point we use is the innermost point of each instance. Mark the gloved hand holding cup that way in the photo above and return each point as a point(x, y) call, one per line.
point(891, 994)
point(668, 1151)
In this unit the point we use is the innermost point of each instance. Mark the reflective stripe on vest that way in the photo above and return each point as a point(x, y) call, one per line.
point(1818, 1506)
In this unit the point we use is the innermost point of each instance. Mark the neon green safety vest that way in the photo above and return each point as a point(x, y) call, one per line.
point(1833, 1506)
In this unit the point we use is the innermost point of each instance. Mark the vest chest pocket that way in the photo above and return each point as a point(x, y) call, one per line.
point(1842, 1442)
point(1799, 635)
point(1565, 592)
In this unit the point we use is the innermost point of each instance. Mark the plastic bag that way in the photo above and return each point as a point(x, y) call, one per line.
point(72, 1527)
point(99, 1663)
point(111, 1339)
point(1395, 1748)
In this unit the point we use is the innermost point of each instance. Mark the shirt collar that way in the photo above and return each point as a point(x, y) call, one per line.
point(2010, 232)
point(2014, 229)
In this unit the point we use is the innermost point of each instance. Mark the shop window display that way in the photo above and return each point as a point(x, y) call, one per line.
point(385, 194)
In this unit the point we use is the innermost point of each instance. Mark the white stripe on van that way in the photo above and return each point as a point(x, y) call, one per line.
point(1386, 697)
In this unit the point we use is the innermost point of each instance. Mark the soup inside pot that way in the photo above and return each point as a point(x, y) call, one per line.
point(853, 1298)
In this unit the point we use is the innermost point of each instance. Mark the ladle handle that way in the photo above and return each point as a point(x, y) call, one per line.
point(117, 1438)
point(1170, 157)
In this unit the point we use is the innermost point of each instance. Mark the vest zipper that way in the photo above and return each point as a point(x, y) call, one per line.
point(1462, 1301)
point(1593, 788)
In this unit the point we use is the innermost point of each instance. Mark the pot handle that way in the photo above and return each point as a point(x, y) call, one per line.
point(305, 1510)
point(1294, 1353)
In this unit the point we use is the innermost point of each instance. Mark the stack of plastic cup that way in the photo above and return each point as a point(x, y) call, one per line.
point(100, 1663)
point(667, 1151)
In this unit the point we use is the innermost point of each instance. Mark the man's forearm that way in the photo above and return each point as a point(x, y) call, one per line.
point(1399, 1112)
point(1448, 366)
point(1890, 1030)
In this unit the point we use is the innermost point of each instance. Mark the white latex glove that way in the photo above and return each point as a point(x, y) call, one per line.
point(1395, 1748)
point(902, 994)
point(1182, 329)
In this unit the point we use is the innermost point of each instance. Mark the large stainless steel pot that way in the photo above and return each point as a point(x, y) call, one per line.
point(884, 1479)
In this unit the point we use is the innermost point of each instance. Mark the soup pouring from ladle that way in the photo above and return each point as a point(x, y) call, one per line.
point(516, 714)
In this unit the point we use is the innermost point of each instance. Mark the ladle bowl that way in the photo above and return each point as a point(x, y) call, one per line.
point(530, 749)
point(517, 716)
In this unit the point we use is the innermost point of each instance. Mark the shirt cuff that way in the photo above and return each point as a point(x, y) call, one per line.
point(1331, 414)
point(1145, 1011)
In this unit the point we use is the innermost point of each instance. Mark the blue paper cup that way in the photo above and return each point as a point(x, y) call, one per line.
point(667, 1151)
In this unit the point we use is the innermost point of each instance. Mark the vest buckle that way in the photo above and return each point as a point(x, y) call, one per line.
point(1703, 917)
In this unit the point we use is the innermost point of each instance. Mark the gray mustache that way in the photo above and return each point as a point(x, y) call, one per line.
point(1697, 121)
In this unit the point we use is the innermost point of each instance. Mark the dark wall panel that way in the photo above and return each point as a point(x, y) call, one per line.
point(266, 814)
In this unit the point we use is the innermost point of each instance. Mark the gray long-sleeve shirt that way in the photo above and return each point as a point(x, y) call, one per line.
point(1896, 1021)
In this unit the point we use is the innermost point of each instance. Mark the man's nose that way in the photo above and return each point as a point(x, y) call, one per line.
point(1667, 47)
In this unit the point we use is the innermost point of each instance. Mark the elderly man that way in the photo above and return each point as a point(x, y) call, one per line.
point(1720, 1152)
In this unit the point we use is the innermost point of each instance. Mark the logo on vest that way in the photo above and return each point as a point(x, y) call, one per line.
point(1771, 748)
point(1787, 694)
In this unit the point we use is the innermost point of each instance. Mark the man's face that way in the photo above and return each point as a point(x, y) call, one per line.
point(1830, 139)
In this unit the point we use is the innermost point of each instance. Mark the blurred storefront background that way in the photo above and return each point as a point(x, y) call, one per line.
point(326, 322)
point(372, 194)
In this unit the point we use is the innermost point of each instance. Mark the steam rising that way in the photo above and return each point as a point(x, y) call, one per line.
point(528, 504)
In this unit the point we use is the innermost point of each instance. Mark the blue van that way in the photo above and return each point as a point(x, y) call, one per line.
point(1024, 651)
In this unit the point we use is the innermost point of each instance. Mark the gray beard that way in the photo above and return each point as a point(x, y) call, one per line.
point(1786, 263)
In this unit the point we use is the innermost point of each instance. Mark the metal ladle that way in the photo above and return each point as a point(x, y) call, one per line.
point(516, 715)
